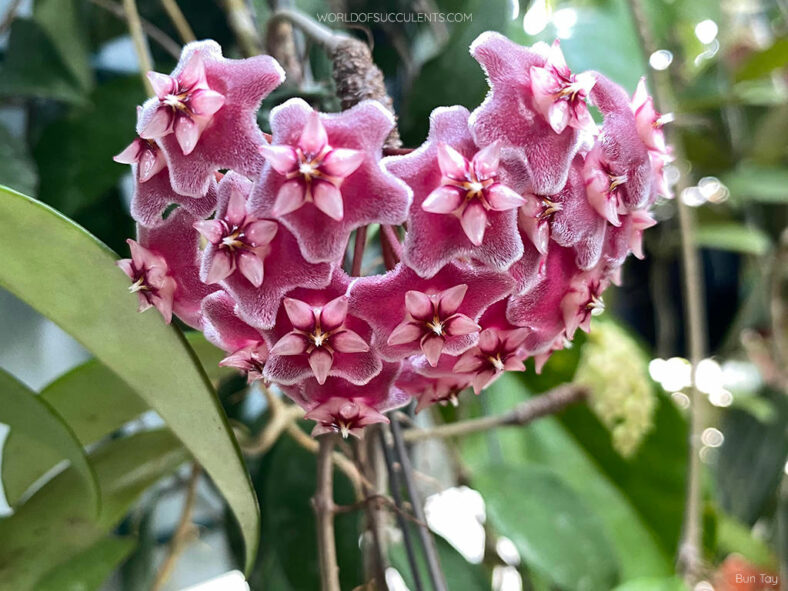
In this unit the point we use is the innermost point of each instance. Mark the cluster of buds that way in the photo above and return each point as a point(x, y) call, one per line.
point(516, 217)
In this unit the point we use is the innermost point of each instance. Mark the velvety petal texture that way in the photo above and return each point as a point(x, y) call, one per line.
point(463, 206)
point(204, 115)
point(499, 234)
point(515, 116)
point(323, 177)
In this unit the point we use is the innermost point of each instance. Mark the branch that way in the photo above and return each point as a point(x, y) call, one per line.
point(550, 402)
point(358, 251)
point(179, 21)
point(152, 31)
point(323, 503)
point(9, 15)
point(140, 42)
point(177, 543)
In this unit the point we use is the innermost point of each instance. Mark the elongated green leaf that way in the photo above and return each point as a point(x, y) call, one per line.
point(32, 417)
point(54, 526)
point(89, 570)
point(69, 276)
point(92, 400)
point(734, 237)
point(554, 530)
point(765, 184)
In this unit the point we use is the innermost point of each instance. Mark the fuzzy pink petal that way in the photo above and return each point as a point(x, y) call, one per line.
point(502, 198)
point(187, 132)
point(321, 361)
point(261, 231)
point(452, 164)
point(283, 159)
point(206, 102)
point(406, 332)
point(220, 267)
point(449, 300)
point(301, 314)
point(419, 305)
point(236, 208)
point(328, 199)
point(161, 83)
point(313, 137)
point(432, 346)
point(290, 344)
point(460, 324)
point(251, 267)
point(444, 199)
point(211, 229)
point(159, 124)
point(474, 222)
point(291, 196)
point(342, 162)
point(486, 161)
point(348, 341)
point(334, 313)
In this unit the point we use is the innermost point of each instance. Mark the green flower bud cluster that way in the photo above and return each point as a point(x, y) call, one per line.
point(616, 371)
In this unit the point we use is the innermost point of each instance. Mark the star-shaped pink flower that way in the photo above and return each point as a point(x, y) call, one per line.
point(153, 193)
point(410, 315)
point(150, 279)
point(204, 114)
point(567, 218)
point(268, 262)
point(317, 335)
point(338, 406)
point(176, 286)
point(239, 241)
point(559, 95)
point(462, 206)
point(323, 177)
point(619, 171)
point(247, 348)
point(511, 113)
point(429, 390)
point(564, 300)
point(498, 351)
point(650, 125)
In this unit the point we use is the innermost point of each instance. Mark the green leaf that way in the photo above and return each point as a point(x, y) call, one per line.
point(554, 530)
point(33, 66)
point(16, 167)
point(765, 62)
point(53, 526)
point(64, 22)
point(92, 400)
point(452, 77)
point(734, 237)
point(460, 574)
point(74, 154)
point(33, 417)
point(69, 276)
point(90, 569)
point(758, 183)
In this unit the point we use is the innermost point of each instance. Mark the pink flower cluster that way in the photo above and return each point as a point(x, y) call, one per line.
point(517, 217)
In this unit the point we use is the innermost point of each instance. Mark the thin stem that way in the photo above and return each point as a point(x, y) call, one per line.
point(430, 551)
point(390, 247)
point(241, 22)
point(358, 251)
point(179, 21)
point(177, 543)
point(374, 554)
point(690, 559)
point(396, 492)
point(550, 402)
point(151, 30)
point(323, 503)
point(140, 42)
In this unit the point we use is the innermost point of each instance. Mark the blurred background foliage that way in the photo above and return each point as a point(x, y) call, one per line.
point(591, 499)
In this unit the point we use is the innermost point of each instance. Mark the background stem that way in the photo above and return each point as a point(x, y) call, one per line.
point(323, 503)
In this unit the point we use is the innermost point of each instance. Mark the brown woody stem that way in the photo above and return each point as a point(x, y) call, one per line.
point(323, 503)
